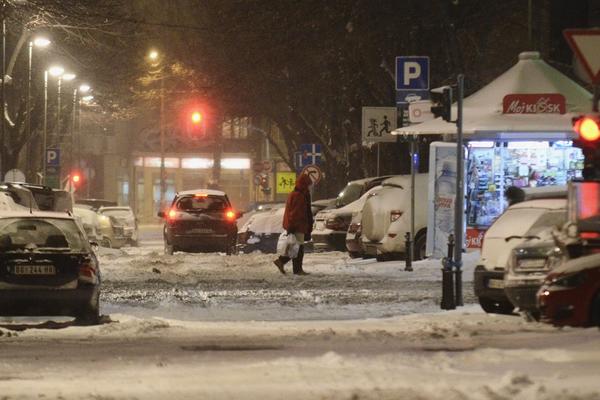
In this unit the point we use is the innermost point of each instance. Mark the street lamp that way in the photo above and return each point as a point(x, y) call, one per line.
point(82, 89)
point(40, 42)
point(55, 71)
point(154, 58)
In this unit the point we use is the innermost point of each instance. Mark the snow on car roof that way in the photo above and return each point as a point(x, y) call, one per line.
point(35, 214)
point(356, 205)
point(551, 204)
point(210, 192)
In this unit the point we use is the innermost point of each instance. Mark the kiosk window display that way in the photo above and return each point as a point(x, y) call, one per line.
point(494, 166)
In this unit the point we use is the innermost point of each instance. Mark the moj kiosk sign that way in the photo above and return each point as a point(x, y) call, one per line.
point(540, 103)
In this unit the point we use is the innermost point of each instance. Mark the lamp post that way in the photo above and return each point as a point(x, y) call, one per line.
point(37, 42)
point(82, 89)
point(154, 58)
point(55, 71)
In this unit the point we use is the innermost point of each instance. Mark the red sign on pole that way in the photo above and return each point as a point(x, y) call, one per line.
point(585, 44)
point(534, 103)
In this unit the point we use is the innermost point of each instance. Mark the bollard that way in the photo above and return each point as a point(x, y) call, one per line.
point(458, 285)
point(448, 300)
point(408, 250)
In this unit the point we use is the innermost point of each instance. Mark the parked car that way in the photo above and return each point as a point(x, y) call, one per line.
point(199, 221)
point(570, 294)
point(527, 269)
point(95, 204)
point(331, 225)
point(520, 223)
point(38, 197)
point(256, 208)
point(320, 205)
point(8, 203)
point(47, 267)
point(355, 189)
point(354, 243)
point(262, 231)
point(386, 218)
point(125, 218)
point(100, 228)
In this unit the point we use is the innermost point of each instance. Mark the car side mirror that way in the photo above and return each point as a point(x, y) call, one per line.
point(161, 214)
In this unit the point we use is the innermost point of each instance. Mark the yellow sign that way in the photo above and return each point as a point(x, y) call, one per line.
point(286, 182)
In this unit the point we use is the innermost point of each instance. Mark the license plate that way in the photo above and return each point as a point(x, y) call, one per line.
point(200, 230)
point(531, 263)
point(34, 270)
point(496, 284)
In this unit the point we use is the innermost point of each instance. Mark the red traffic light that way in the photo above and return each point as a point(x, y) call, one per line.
point(196, 117)
point(587, 127)
point(76, 178)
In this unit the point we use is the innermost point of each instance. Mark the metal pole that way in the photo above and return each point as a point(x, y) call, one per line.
point(72, 149)
point(162, 142)
point(57, 137)
point(79, 134)
point(459, 203)
point(412, 195)
point(3, 91)
point(530, 24)
point(28, 115)
point(45, 138)
point(378, 151)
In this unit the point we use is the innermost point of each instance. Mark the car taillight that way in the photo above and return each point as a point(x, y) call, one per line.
point(230, 215)
point(395, 215)
point(336, 224)
point(172, 214)
point(87, 273)
point(589, 235)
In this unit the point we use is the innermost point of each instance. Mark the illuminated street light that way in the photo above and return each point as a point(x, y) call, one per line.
point(153, 55)
point(41, 42)
point(87, 99)
point(69, 76)
point(84, 88)
point(56, 71)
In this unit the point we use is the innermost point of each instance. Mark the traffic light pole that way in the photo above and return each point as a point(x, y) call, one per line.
point(460, 190)
point(163, 182)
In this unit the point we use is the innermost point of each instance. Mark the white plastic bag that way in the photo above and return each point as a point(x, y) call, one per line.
point(287, 245)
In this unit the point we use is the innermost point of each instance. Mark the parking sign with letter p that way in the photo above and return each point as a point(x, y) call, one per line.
point(412, 73)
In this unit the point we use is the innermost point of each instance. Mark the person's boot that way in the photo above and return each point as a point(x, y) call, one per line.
point(297, 263)
point(279, 264)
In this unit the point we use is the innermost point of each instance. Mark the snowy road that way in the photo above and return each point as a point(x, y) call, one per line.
point(216, 327)
point(144, 282)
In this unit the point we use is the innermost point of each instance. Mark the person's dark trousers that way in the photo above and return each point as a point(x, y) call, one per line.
point(296, 262)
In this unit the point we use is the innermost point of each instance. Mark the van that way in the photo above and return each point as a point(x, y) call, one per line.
point(386, 218)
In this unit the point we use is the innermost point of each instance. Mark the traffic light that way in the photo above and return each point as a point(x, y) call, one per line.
point(442, 102)
point(587, 128)
point(195, 123)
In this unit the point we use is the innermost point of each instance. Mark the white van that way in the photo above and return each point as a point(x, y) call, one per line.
point(386, 218)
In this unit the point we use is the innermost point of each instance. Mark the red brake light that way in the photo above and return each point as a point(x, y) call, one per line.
point(589, 235)
point(200, 195)
point(172, 214)
point(230, 215)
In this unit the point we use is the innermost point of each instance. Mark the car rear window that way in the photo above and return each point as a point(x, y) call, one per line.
point(201, 203)
point(348, 195)
point(518, 222)
point(18, 234)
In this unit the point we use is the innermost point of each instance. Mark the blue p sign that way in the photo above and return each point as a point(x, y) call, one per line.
point(412, 73)
point(53, 157)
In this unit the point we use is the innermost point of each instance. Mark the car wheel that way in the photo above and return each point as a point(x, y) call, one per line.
point(420, 248)
point(595, 317)
point(169, 249)
point(354, 254)
point(90, 314)
point(496, 307)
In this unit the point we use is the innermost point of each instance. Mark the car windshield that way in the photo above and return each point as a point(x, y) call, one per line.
point(36, 234)
point(201, 203)
point(350, 193)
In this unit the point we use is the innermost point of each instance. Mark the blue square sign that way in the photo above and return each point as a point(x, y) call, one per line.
point(412, 73)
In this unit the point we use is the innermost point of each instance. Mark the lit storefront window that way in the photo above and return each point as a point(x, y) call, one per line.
point(196, 163)
point(138, 162)
point(235, 163)
point(154, 162)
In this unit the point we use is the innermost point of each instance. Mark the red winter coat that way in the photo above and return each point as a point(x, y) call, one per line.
point(298, 214)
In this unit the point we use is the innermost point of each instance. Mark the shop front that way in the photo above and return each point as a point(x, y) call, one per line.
point(518, 132)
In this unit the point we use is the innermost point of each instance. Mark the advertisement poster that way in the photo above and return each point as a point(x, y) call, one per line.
point(442, 192)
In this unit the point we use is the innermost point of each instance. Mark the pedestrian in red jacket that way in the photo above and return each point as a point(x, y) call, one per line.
point(298, 220)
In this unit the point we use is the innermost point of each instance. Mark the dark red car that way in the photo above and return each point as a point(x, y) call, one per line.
point(570, 294)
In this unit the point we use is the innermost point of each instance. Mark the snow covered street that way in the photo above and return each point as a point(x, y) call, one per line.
point(219, 327)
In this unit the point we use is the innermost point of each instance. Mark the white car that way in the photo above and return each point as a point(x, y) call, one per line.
point(330, 229)
point(124, 217)
point(386, 218)
point(262, 231)
point(521, 223)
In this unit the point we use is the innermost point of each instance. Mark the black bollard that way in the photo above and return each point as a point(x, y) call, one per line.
point(458, 285)
point(448, 302)
point(408, 250)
